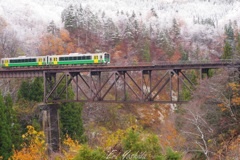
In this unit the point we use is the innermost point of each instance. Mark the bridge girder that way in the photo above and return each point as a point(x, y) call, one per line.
point(116, 86)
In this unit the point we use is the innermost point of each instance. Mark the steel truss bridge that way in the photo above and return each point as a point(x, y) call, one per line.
point(139, 82)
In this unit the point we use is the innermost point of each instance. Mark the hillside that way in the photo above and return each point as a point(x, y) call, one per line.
point(133, 32)
point(199, 20)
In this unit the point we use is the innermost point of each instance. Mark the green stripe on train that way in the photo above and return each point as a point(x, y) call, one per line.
point(51, 63)
point(23, 64)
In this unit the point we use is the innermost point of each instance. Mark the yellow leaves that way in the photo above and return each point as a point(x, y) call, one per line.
point(114, 139)
point(72, 148)
point(235, 97)
point(235, 87)
point(34, 146)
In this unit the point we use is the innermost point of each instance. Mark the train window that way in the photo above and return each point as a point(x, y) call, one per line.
point(79, 58)
point(88, 57)
point(101, 57)
point(74, 58)
point(70, 58)
point(61, 59)
point(43, 59)
point(50, 59)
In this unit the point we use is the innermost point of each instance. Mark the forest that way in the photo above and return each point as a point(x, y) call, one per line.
point(207, 127)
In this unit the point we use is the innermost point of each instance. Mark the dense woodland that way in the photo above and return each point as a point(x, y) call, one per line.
point(207, 127)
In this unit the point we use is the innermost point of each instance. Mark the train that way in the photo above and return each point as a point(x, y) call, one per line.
point(50, 60)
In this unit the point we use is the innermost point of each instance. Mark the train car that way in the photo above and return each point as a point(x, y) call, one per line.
point(71, 59)
point(76, 58)
point(23, 61)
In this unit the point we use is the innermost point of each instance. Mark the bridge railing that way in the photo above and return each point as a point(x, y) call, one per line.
point(153, 63)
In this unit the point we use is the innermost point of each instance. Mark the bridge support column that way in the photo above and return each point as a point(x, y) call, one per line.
point(202, 71)
point(50, 122)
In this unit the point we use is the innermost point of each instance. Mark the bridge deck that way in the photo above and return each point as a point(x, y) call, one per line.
point(38, 71)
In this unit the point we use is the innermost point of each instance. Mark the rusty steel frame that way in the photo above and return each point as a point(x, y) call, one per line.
point(114, 86)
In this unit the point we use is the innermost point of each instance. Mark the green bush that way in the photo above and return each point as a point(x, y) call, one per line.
point(87, 153)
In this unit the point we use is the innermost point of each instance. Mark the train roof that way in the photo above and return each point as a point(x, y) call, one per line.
point(25, 57)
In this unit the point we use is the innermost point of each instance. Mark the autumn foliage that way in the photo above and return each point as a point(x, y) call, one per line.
point(59, 43)
point(34, 146)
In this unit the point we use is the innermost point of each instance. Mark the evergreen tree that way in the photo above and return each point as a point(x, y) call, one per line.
point(146, 52)
point(69, 18)
point(15, 127)
point(70, 117)
point(238, 46)
point(229, 31)
point(184, 54)
point(5, 132)
point(175, 29)
point(52, 28)
point(36, 90)
point(227, 51)
point(71, 121)
point(31, 91)
point(23, 91)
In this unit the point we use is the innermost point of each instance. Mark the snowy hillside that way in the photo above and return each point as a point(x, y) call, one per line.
point(29, 18)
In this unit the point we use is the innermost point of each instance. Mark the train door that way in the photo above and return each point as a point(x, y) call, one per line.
point(95, 59)
point(6, 63)
point(54, 60)
point(39, 61)
point(101, 58)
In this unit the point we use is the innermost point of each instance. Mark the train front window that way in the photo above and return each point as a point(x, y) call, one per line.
point(107, 57)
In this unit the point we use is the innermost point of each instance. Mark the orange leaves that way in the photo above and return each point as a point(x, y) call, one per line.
point(34, 146)
point(64, 34)
point(176, 56)
point(235, 93)
point(51, 45)
point(57, 44)
point(170, 136)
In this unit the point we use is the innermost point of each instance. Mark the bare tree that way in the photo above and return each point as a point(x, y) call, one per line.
point(197, 130)
point(211, 113)
point(9, 43)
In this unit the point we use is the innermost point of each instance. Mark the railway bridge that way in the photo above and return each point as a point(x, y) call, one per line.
point(123, 83)
point(139, 82)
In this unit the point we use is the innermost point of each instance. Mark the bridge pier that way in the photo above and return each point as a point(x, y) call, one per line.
point(51, 128)
point(204, 71)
